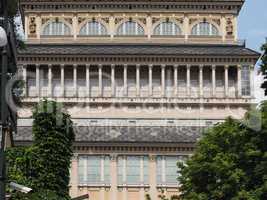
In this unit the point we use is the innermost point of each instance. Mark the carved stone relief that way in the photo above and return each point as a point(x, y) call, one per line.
point(32, 26)
point(229, 27)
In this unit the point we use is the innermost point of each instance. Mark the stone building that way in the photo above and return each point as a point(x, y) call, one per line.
point(141, 80)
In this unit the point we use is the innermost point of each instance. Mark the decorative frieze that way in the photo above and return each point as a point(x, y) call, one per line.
point(32, 27)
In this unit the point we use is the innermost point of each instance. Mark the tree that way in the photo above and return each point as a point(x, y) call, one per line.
point(264, 68)
point(230, 161)
point(44, 166)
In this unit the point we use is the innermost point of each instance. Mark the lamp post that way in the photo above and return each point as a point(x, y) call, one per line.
point(4, 125)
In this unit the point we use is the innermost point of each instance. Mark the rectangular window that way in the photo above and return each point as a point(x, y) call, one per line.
point(167, 170)
point(133, 170)
point(94, 170)
point(245, 81)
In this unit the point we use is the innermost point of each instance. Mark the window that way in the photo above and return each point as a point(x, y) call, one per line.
point(167, 28)
point(130, 28)
point(204, 28)
point(56, 28)
point(93, 28)
point(167, 170)
point(133, 170)
point(245, 81)
point(94, 170)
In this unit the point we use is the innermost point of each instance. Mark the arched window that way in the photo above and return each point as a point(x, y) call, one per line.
point(130, 28)
point(205, 28)
point(93, 28)
point(167, 28)
point(56, 28)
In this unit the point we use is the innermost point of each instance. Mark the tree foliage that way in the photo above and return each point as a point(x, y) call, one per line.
point(230, 161)
point(264, 67)
point(44, 166)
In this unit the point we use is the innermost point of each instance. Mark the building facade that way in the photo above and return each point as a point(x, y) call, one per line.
point(141, 80)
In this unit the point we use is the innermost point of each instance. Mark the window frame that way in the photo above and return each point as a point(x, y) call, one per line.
point(197, 29)
point(102, 29)
point(135, 26)
point(245, 81)
point(173, 31)
point(49, 26)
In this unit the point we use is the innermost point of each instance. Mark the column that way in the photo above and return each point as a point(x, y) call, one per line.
point(226, 81)
point(113, 177)
point(100, 90)
point(252, 81)
point(150, 78)
point(125, 90)
point(88, 80)
point(239, 89)
point(113, 80)
point(24, 75)
point(74, 191)
point(153, 177)
point(50, 81)
point(188, 80)
point(37, 80)
point(223, 27)
point(213, 68)
point(38, 26)
point(62, 80)
point(201, 80)
point(175, 80)
point(75, 80)
point(26, 28)
point(138, 80)
point(112, 26)
point(149, 26)
point(186, 27)
point(75, 26)
point(163, 80)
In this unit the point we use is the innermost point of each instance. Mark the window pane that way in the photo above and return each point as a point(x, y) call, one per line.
point(93, 28)
point(56, 28)
point(167, 28)
point(204, 28)
point(130, 28)
point(245, 81)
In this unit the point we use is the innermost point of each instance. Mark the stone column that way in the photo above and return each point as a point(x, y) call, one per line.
point(149, 26)
point(62, 80)
point(186, 27)
point(223, 28)
point(113, 177)
point(201, 81)
point(74, 182)
point(88, 80)
point(50, 89)
point(100, 87)
point(153, 177)
point(239, 87)
point(113, 91)
point(213, 68)
point(188, 80)
point(226, 81)
point(138, 80)
point(252, 81)
point(75, 26)
point(24, 75)
point(125, 90)
point(75, 80)
point(26, 28)
point(38, 26)
point(112, 26)
point(163, 80)
point(175, 80)
point(37, 80)
point(150, 78)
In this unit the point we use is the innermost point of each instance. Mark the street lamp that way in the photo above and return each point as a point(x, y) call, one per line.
point(3, 37)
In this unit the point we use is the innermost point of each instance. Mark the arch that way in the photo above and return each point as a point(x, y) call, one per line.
point(93, 28)
point(205, 29)
point(130, 28)
point(56, 28)
point(167, 28)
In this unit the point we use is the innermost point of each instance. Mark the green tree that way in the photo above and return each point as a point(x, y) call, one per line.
point(230, 161)
point(44, 166)
point(264, 67)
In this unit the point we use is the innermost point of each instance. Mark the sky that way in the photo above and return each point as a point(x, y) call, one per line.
point(252, 23)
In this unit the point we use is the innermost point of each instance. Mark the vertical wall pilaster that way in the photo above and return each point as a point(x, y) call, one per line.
point(201, 81)
point(150, 78)
point(138, 80)
point(188, 80)
point(239, 87)
point(175, 81)
point(75, 26)
point(75, 80)
point(50, 87)
point(125, 80)
point(114, 182)
point(100, 84)
point(38, 26)
point(163, 80)
point(24, 75)
point(74, 182)
point(213, 74)
point(37, 80)
point(149, 26)
point(113, 89)
point(88, 80)
point(62, 80)
point(112, 26)
point(186, 27)
point(226, 81)
point(153, 177)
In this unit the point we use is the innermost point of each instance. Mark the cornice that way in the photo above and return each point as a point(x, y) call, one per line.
point(229, 6)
